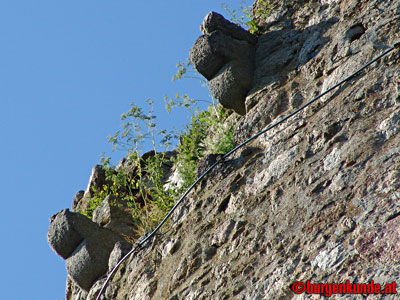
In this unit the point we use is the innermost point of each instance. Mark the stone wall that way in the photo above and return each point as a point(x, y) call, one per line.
point(316, 198)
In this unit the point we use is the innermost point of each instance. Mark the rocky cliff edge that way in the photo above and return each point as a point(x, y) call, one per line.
point(317, 198)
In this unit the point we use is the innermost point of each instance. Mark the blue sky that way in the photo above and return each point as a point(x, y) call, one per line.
point(68, 70)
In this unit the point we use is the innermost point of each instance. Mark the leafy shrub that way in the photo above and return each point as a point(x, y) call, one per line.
point(191, 147)
point(206, 133)
point(139, 182)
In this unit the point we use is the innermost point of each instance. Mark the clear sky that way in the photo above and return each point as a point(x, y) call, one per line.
point(68, 70)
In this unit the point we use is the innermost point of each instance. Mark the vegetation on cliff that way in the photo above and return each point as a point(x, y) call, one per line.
point(140, 182)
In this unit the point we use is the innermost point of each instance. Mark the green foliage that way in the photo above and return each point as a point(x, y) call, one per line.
point(244, 16)
point(160, 197)
point(263, 8)
point(93, 203)
point(191, 148)
point(180, 101)
point(205, 134)
point(121, 184)
point(139, 126)
point(185, 70)
point(144, 179)
point(138, 178)
point(182, 70)
point(221, 139)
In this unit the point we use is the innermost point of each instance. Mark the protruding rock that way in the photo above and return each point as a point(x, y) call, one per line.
point(224, 55)
point(210, 53)
point(231, 85)
point(97, 179)
point(114, 214)
point(85, 245)
point(77, 198)
point(214, 21)
point(118, 252)
point(67, 230)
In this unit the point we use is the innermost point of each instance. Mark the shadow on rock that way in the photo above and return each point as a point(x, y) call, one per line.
point(226, 55)
point(84, 244)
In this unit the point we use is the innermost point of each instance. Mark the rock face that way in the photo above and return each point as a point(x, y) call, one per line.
point(316, 198)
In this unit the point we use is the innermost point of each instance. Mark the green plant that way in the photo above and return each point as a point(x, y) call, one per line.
point(139, 178)
point(206, 133)
point(142, 178)
point(245, 17)
point(191, 147)
point(186, 71)
point(121, 184)
point(221, 132)
point(92, 204)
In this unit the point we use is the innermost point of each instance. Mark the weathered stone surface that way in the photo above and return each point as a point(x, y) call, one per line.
point(127, 165)
point(116, 216)
point(77, 198)
point(118, 252)
point(67, 230)
point(216, 22)
point(210, 53)
point(316, 198)
point(85, 245)
point(96, 181)
point(230, 86)
point(206, 162)
point(224, 55)
point(382, 244)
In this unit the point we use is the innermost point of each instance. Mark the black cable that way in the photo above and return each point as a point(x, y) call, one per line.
point(149, 236)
